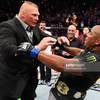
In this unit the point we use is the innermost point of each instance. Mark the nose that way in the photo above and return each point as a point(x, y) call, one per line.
point(37, 18)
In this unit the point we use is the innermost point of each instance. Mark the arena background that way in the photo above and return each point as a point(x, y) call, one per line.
point(55, 13)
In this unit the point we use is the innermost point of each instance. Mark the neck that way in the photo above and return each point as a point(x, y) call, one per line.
point(70, 38)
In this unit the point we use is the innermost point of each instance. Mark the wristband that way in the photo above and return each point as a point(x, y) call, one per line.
point(34, 52)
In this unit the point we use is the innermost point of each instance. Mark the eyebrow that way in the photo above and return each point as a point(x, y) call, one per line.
point(70, 30)
point(35, 14)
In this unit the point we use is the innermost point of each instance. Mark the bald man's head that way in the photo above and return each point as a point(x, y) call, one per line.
point(96, 31)
point(71, 32)
point(72, 27)
point(93, 38)
point(29, 13)
point(26, 6)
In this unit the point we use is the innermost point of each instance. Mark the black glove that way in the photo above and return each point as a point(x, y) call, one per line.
point(24, 48)
point(61, 46)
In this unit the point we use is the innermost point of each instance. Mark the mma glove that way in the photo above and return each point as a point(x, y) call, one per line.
point(26, 48)
point(61, 46)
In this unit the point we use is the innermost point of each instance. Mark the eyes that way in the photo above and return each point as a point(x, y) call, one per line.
point(35, 15)
point(71, 30)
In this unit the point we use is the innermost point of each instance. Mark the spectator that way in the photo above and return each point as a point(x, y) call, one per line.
point(45, 72)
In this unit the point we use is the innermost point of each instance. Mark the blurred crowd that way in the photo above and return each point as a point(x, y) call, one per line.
point(58, 13)
point(87, 12)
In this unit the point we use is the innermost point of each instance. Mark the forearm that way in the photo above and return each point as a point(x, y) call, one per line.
point(73, 51)
point(51, 61)
point(55, 62)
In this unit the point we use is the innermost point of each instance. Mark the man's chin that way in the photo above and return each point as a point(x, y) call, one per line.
point(34, 25)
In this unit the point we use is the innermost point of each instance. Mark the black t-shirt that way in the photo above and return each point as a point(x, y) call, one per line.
point(73, 86)
point(74, 43)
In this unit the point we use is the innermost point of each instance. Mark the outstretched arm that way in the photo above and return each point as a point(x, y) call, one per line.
point(73, 51)
point(64, 44)
point(58, 63)
point(52, 61)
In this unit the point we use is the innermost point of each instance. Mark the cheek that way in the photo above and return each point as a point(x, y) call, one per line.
point(88, 40)
point(92, 41)
point(28, 19)
point(31, 19)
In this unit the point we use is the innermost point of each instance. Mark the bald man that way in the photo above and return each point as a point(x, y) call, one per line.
point(18, 73)
point(81, 72)
point(71, 32)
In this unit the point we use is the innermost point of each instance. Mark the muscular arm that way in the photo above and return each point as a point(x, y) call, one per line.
point(73, 51)
point(58, 63)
